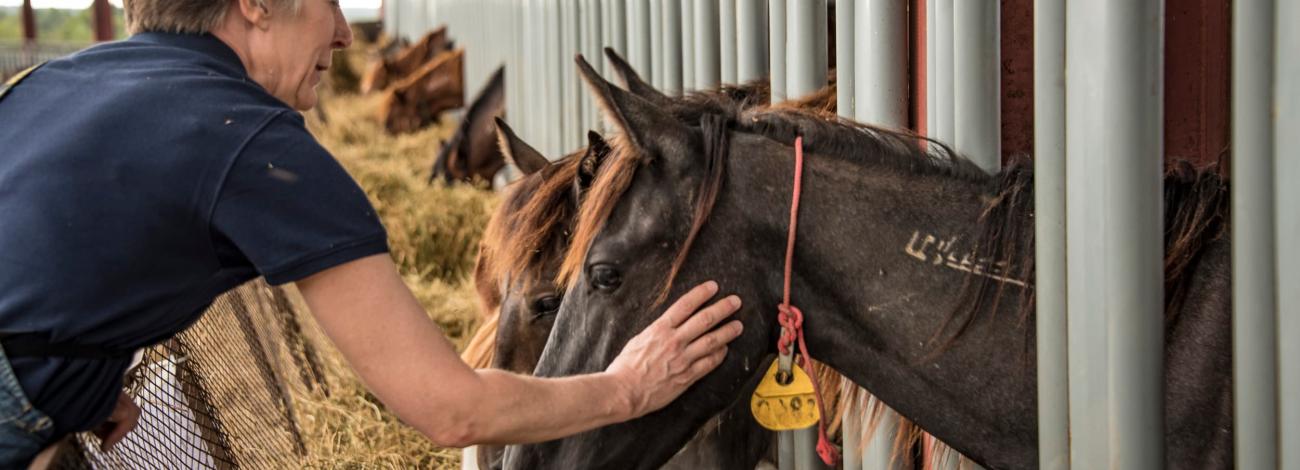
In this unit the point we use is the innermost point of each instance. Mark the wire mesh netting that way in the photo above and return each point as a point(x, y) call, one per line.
point(217, 396)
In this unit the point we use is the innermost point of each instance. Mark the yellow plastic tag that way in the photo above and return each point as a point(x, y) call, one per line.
point(785, 407)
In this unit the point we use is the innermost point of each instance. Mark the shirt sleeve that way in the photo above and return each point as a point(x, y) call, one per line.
point(289, 207)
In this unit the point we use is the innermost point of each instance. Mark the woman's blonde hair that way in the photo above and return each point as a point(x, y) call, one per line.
point(186, 16)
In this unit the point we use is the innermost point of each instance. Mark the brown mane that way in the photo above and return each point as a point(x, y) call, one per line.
point(532, 220)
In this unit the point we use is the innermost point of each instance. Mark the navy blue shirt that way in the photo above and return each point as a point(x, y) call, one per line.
point(141, 179)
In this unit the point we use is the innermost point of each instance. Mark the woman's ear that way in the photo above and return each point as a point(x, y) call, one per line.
point(255, 12)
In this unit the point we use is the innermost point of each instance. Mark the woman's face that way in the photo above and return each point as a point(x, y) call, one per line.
point(291, 51)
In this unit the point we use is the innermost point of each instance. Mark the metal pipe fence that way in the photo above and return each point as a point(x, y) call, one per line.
point(1100, 397)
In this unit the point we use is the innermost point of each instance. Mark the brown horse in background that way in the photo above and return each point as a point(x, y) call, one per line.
point(387, 71)
point(472, 153)
point(417, 101)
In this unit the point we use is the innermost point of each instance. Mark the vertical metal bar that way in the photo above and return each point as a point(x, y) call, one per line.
point(977, 97)
point(570, 103)
point(847, 25)
point(1254, 284)
point(943, 72)
point(1114, 145)
point(931, 105)
point(1287, 166)
point(879, 453)
point(638, 37)
point(805, 449)
point(882, 62)
point(708, 67)
point(777, 47)
point(618, 22)
point(555, 84)
point(785, 459)
point(590, 14)
point(656, 44)
point(727, 38)
point(688, 45)
point(851, 425)
point(806, 52)
point(672, 50)
point(1049, 235)
point(751, 40)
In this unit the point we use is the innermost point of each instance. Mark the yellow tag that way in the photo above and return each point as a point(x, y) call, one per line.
point(785, 407)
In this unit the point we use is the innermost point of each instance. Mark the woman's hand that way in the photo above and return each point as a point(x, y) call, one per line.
point(676, 350)
point(121, 421)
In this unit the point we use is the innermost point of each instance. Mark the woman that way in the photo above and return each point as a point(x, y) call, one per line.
point(141, 179)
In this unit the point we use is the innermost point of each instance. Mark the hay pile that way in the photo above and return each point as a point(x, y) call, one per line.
point(433, 234)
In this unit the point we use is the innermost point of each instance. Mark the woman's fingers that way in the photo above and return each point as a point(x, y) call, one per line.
point(687, 305)
point(705, 319)
point(714, 340)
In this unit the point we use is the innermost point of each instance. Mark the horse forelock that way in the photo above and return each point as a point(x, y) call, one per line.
point(612, 180)
point(532, 225)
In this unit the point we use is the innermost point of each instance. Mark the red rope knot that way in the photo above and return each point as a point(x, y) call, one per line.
point(791, 319)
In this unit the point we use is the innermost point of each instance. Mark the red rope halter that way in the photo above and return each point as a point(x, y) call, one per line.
point(791, 318)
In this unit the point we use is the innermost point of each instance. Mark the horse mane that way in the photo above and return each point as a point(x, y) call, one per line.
point(1195, 215)
point(720, 114)
point(532, 220)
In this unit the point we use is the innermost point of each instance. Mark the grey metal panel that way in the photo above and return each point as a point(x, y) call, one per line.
point(777, 48)
point(931, 109)
point(638, 37)
point(656, 44)
point(688, 45)
point(1114, 144)
point(1286, 140)
point(553, 82)
point(672, 50)
point(879, 453)
point(943, 72)
point(708, 67)
point(851, 425)
point(591, 49)
point(805, 449)
point(846, 71)
point(785, 459)
point(727, 39)
point(570, 101)
point(618, 23)
point(751, 40)
point(806, 52)
point(1049, 234)
point(1254, 283)
point(977, 96)
point(882, 62)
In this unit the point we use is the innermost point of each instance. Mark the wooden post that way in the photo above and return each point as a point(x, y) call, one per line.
point(103, 14)
point(29, 22)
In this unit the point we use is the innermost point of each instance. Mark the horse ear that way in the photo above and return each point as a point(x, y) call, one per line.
point(635, 117)
point(595, 155)
point(517, 152)
point(632, 81)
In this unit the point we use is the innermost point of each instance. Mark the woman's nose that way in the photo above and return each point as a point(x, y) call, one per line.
point(342, 32)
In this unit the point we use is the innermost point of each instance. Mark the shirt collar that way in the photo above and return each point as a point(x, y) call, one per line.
point(205, 44)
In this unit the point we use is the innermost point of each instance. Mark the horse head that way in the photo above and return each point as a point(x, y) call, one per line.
point(473, 152)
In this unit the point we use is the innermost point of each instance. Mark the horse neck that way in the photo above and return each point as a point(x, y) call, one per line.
point(880, 259)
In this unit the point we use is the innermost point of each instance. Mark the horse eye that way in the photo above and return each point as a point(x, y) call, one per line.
point(605, 277)
point(548, 305)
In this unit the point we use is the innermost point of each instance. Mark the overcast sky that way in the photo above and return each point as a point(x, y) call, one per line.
point(81, 4)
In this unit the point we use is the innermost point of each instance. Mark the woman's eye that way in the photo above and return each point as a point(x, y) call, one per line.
point(605, 277)
point(548, 305)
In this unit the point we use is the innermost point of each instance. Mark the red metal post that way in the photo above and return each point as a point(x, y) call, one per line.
point(1017, 78)
point(103, 17)
point(919, 71)
point(29, 22)
point(1197, 68)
